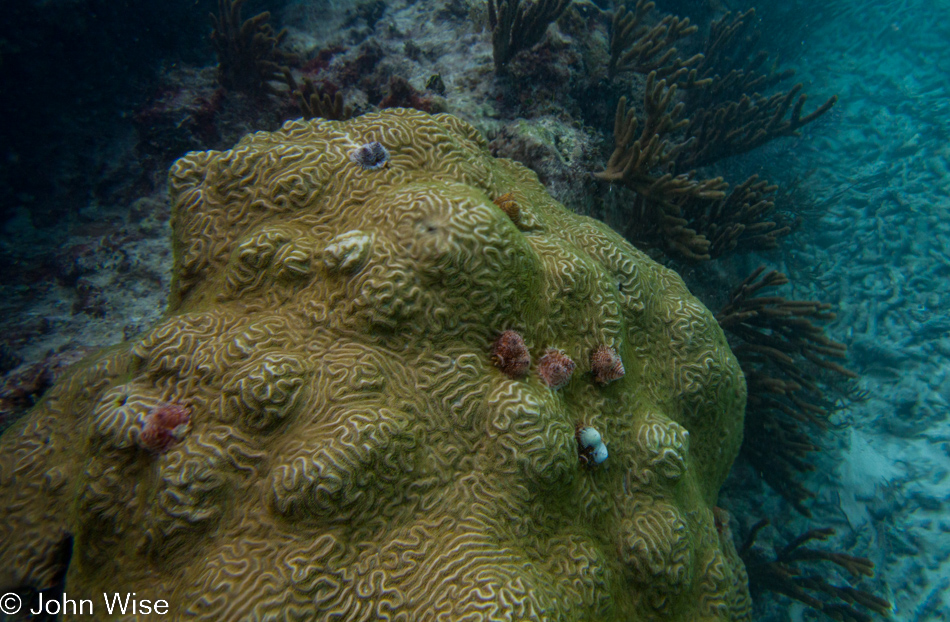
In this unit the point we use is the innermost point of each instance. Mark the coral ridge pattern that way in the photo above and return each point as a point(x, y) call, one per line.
point(351, 450)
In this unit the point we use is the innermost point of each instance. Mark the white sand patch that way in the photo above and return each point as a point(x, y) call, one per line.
point(864, 469)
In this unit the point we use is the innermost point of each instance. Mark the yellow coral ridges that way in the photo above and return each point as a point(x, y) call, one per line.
point(352, 452)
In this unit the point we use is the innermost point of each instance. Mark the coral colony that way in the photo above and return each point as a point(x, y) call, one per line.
point(335, 398)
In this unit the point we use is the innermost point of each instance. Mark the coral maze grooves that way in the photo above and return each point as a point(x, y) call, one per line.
point(351, 449)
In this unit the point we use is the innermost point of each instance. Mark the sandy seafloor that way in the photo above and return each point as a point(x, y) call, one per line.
point(880, 171)
point(882, 256)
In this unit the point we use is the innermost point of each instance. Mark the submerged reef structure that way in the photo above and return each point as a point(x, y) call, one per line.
point(337, 438)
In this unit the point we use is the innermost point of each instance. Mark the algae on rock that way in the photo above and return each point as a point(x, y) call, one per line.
point(351, 449)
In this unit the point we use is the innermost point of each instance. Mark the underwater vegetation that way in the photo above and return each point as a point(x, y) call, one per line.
point(249, 56)
point(782, 575)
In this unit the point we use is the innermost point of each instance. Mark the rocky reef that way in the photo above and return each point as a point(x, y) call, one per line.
point(319, 422)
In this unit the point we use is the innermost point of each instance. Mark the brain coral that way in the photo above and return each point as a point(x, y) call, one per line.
point(351, 451)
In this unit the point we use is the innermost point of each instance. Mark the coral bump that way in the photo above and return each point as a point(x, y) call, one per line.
point(555, 368)
point(164, 426)
point(510, 355)
point(605, 365)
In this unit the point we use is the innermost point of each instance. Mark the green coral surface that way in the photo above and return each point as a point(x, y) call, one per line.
point(352, 451)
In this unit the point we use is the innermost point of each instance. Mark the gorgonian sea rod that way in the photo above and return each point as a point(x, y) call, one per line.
point(352, 448)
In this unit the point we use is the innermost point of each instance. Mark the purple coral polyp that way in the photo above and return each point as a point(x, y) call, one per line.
point(371, 156)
